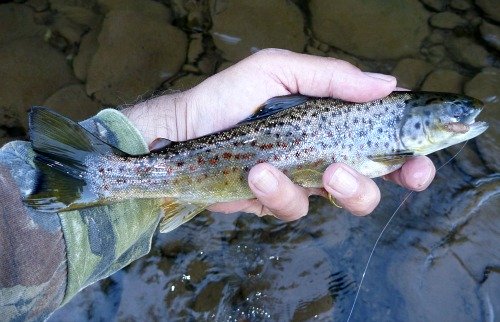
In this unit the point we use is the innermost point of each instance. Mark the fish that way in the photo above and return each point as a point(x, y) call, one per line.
point(299, 135)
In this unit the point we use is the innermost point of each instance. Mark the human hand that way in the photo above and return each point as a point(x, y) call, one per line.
point(235, 93)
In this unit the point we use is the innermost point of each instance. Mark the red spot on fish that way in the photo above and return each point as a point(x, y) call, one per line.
point(227, 155)
point(214, 160)
point(201, 161)
point(276, 157)
point(261, 161)
point(266, 146)
point(192, 167)
point(225, 171)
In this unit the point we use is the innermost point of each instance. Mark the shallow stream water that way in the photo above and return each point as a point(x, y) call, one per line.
point(439, 259)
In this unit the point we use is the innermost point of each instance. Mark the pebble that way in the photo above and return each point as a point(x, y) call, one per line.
point(447, 20)
point(411, 72)
point(437, 5)
point(491, 34)
point(466, 51)
point(34, 71)
point(136, 54)
point(277, 24)
point(444, 80)
point(491, 8)
point(460, 4)
point(17, 21)
point(72, 102)
point(355, 25)
point(486, 87)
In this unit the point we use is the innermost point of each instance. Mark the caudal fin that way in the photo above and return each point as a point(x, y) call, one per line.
point(62, 148)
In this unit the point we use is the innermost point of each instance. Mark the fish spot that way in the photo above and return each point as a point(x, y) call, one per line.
point(427, 123)
point(227, 155)
point(427, 112)
point(380, 130)
point(417, 125)
point(180, 164)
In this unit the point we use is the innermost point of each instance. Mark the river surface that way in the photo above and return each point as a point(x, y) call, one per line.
point(438, 259)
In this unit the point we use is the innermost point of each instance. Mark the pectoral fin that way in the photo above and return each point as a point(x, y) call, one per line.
point(307, 178)
point(395, 157)
point(177, 213)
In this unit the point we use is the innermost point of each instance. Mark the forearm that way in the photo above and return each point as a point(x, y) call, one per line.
point(46, 258)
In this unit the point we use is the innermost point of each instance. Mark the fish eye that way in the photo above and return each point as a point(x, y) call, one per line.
point(457, 111)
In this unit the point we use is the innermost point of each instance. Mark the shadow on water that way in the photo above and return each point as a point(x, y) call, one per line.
point(439, 259)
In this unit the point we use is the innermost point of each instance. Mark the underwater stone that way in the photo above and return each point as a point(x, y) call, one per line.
point(411, 72)
point(34, 71)
point(466, 51)
point(136, 54)
point(490, 34)
point(17, 21)
point(444, 80)
point(447, 20)
point(276, 23)
point(72, 102)
point(491, 8)
point(378, 29)
point(486, 87)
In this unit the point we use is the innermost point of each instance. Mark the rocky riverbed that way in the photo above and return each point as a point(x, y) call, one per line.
point(438, 261)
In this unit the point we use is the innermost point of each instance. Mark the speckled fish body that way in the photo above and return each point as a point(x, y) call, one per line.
point(299, 135)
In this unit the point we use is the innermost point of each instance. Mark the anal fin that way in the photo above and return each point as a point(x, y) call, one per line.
point(177, 213)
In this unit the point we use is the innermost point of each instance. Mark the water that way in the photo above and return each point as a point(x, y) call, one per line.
point(438, 260)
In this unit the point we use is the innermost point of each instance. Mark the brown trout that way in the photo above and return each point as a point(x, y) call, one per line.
point(297, 134)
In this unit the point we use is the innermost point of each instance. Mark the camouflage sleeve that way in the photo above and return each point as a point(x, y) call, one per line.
point(45, 259)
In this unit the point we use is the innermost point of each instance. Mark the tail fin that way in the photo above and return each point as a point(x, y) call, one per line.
point(62, 147)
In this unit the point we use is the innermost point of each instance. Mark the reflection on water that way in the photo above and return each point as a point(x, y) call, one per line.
point(439, 259)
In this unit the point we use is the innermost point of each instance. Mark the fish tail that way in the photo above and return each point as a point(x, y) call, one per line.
point(61, 149)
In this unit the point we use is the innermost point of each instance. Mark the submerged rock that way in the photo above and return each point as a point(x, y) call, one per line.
point(466, 51)
point(411, 72)
point(87, 50)
point(381, 29)
point(447, 20)
point(444, 80)
point(491, 34)
point(72, 101)
point(460, 4)
point(486, 87)
point(437, 5)
point(491, 8)
point(276, 23)
point(32, 71)
point(17, 21)
point(136, 53)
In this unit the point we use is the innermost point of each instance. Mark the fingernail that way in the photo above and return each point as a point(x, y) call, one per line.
point(265, 182)
point(384, 77)
point(343, 183)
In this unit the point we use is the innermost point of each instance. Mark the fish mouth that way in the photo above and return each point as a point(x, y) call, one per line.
point(472, 127)
point(469, 124)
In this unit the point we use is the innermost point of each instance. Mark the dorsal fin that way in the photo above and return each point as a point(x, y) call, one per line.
point(275, 105)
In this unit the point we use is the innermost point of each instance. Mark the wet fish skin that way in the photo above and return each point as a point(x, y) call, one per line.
point(300, 136)
point(301, 141)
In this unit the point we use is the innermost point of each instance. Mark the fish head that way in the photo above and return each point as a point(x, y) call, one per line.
point(434, 121)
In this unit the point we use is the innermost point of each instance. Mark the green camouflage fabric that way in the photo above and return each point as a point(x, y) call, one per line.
point(45, 259)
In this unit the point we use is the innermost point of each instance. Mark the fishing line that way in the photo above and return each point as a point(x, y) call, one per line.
point(382, 232)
